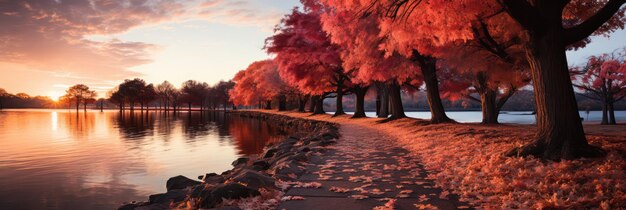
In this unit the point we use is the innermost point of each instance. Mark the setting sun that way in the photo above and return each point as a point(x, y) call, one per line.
point(55, 95)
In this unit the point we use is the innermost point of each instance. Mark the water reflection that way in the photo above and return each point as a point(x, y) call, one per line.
point(55, 159)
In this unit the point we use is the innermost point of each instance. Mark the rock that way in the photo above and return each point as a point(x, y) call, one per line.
point(201, 191)
point(260, 165)
point(241, 160)
point(270, 153)
point(168, 197)
point(132, 206)
point(156, 206)
point(286, 169)
point(227, 191)
point(326, 142)
point(180, 182)
point(206, 175)
point(212, 178)
point(285, 147)
point(255, 180)
point(300, 157)
point(227, 208)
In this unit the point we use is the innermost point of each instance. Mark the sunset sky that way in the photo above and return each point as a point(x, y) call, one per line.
point(49, 45)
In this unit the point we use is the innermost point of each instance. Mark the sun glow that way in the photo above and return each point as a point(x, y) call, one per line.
point(55, 95)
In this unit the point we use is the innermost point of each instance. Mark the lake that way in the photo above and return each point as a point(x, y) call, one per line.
point(56, 159)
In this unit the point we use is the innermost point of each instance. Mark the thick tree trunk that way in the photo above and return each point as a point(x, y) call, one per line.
point(77, 104)
point(378, 96)
point(489, 106)
point(611, 111)
point(384, 101)
point(605, 114)
point(189, 104)
point(560, 132)
point(395, 102)
point(313, 103)
point(268, 104)
point(302, 102)
point(360, 101)
point(429, 71)
point(319, 106)
point(339, 103)
point(282, 103)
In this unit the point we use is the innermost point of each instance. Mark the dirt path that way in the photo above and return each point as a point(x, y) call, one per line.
point(366, 170)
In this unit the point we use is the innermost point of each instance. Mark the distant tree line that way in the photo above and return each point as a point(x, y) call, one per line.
point(23, 100)
point(165, 96)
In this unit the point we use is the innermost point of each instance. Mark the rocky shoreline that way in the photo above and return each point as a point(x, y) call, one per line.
point(255, 182)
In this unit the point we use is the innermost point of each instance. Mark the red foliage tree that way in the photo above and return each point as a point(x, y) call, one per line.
point(549, 28)
point(258, 83)
point(602, 78)
point(366, 63)
point(306, 57)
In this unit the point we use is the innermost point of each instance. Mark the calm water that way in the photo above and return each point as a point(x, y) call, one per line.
point(55, 159)
point(509, 117)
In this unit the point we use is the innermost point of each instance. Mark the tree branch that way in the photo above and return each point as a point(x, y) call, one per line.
point(585, 29)
point(524, 13)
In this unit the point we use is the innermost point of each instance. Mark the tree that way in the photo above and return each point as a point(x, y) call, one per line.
point(117, 97)
point(3, 95)
point(260, 82)
point(166, 91)
point(194, 92)
point(80, 93)
point(146, 95)
point(100, 102)
point(549, 28)
point(306, 57)
point(221, 93)
point(366, 61)
point(132, 91)
point(498, 69)
point(603, 78)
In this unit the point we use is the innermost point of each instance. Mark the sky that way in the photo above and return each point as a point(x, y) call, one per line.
point(48, 45)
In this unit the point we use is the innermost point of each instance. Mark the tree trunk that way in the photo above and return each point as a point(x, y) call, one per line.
point(489, 106)
point(339, 103)
point(384, 102)
point(85, 106)
point(101, 106)
point(429, 72)
point(611, 111)
point(282, 102)
point(313, 103)
point(560, 132)
point(378, 99)
point(268, 104)
point(360, 101)
point(189, 104)
point(302, 102)
point(605, 114)
point(77, 104)
point(319, 106)
point(395, 101)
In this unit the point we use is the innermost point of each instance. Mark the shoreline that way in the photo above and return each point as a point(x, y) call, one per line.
point(467, 159)
point(256, 180)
